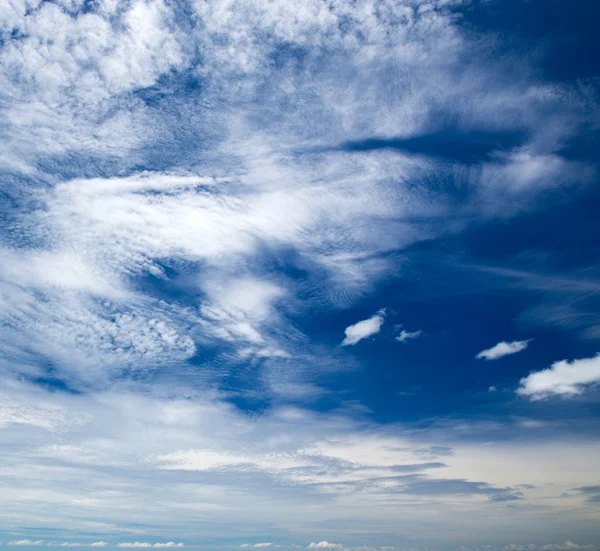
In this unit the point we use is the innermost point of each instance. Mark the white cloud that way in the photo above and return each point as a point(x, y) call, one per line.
point(502, 349)
point(76, 544)
point(325, 545)
point(26, 542)
point(283, 459)
point(562, 378)
point(408, 335)
point(116, 276)
point(363, 329)
point(257, 545)
point(145, 544)
point(567, 546)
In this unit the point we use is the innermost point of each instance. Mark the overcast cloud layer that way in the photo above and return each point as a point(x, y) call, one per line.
point(252, 252)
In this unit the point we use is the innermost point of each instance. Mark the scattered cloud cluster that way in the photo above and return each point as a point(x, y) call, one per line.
point(324, 545)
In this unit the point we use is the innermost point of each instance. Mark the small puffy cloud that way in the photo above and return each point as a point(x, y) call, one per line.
point(492, 389)
point(408, 335)
point(265, 544)
point(325, 544)
point(26, 542)
point(502, 349)
point(363, 329)
point(562, 378)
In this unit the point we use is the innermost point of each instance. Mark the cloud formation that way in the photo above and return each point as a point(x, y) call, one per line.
point(408, 335)
point(363, 329)
point(185, 187)
point(324, 545)
point(562, 378)
point(77, 544)
point(144, 544)
point(502, 349)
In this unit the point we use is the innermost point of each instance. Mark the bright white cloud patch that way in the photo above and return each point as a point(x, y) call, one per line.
point(19, 543)
point(562, 378)
point(325, 545)
point(502, 349)
point(363, 329)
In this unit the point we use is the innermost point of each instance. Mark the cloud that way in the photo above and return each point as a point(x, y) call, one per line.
point(566, 546)
point(76, 544)
point(178, 206)
point(562, 378)
point(591, 493)
point(238, 460)
point(363, 329)
point(257, 545)
point(138, 544)
point(26, 542)
point(502, 349)
point(325, 545)
point(506, 497)
point(408, 335)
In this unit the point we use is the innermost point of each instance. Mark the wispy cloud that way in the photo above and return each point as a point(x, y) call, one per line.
point(185, 184)
point(142, 544)
point(325, 545)
point(408, 335)
point(77, 544)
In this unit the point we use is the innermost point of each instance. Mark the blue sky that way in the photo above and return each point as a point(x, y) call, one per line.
point(300, 275)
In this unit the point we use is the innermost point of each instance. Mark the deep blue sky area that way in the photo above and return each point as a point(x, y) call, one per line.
point(300, 275)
